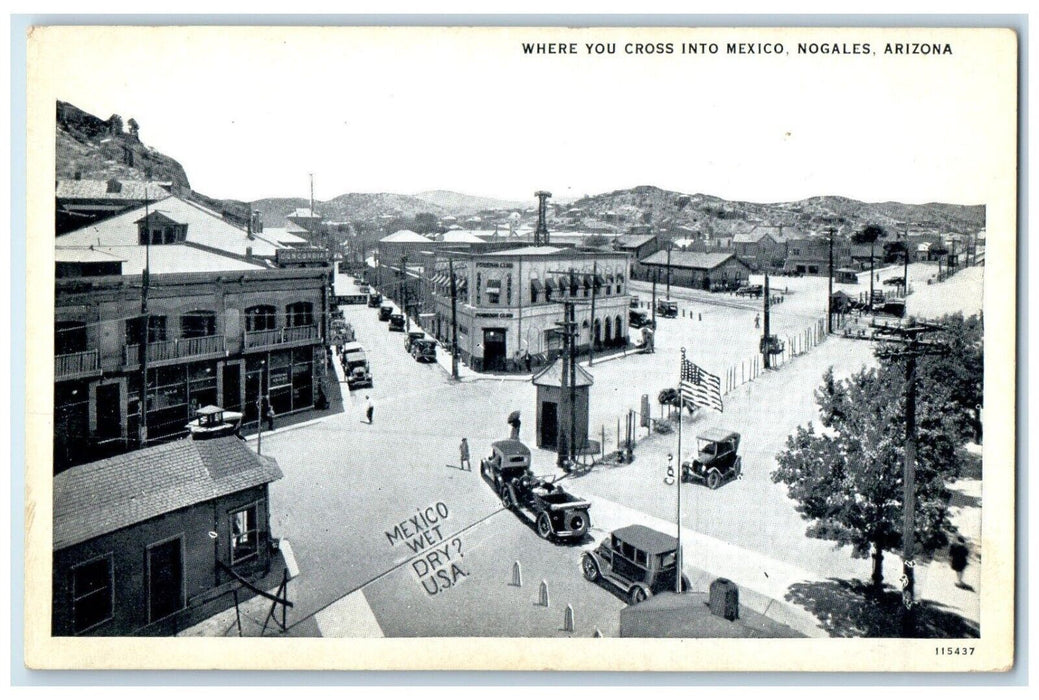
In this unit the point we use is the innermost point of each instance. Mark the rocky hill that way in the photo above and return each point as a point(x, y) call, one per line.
point(719, 217)
point(100, 149)
point(459, 204)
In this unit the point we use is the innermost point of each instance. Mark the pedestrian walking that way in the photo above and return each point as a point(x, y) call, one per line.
point(757, 320)
point(270, 415)
point(463, 450)
point(514, 421)
point(369, 409)
point(958, 553)
point(527, 360)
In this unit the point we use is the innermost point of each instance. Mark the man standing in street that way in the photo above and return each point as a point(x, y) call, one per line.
point(463, 450)
point(270, 414)
point(369, 409)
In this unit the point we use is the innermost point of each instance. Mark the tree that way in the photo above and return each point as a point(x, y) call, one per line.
point(847, 478)
point(957, 378)
point(870, 234)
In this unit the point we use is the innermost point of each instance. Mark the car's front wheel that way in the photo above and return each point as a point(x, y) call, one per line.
point(544, 526)
point(506, 497)
point(590, 568)
point(637, 594)
point(714, 479)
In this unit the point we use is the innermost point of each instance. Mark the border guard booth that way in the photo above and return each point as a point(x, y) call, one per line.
point(552, 420)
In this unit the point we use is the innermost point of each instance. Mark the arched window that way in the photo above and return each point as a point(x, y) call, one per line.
point(198, 324)
point(299, 314)
point(619, 333)
point(598, 333)
point(607, 331)
point(260, 318)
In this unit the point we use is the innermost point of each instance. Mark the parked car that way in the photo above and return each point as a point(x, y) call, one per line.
point(667, 309)
point(891, 307)
point(636, 560)
point(397, 322)
point(717, 459)
point(374, 300)
point(355, 366)
point(411, 338)
point(552, 511)
point(424, 350)
point(750, 290)
point(385, 312)
point(639, 319)
point(896, 281)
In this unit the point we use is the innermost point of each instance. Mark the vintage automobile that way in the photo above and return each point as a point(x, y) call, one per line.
point(637, 560)
point(633, 303)
point(891, 307)
point(750, 290)
point(552, 511)
point(639, 319)
point(411, 338)
point(895, 281)
point(716, 460)
point(397, 322)
point(385, 311)
point(355, 366)
point(374, 300)
point(214, 421)
point(667, 309)
point(424, 350)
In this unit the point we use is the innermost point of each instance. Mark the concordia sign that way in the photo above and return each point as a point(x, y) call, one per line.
point(301, 255)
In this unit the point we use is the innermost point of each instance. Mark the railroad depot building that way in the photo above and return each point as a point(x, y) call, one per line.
point(224, 328)
point(708, 271)
point(144, 542)
point(510, 301)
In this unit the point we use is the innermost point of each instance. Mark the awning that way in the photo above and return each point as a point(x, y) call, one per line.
point(536, 285)
point(549, 284)
point(600, 280)
point(494, 284)
point(587, 279)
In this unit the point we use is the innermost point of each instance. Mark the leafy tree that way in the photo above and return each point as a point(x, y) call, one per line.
point(425, 222)
point(870, 234)
point(956, 379)
point(847, 478)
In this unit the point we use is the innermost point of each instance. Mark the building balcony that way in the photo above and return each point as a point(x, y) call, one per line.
point(281, 337)
point(174, 350)
point(77, 364)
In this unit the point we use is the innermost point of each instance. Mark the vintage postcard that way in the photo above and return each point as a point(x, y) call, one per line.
point(535, 348)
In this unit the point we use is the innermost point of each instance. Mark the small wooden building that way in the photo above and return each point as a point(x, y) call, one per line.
point(143, 541)
point(552, 420)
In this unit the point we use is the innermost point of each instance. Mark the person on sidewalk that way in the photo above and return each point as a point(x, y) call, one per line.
point(270, 415)
point(757, 320)
point(958, 553)
point(463, 450)
point(369, 409)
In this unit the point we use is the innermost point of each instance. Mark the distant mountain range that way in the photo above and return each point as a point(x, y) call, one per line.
point(101, 149)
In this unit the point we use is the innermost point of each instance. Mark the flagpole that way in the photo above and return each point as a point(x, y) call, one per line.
point(678, 482)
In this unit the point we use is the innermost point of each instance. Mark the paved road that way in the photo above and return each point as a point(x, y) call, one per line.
point(348, 484)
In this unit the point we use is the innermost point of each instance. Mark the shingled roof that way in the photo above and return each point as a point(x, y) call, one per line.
point(686, 259)
point(104, 496)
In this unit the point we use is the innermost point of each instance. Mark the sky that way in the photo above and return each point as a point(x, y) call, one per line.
point(251, 113)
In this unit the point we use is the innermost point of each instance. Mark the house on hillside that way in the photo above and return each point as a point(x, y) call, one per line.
point(708, 271)
point(145, 543)
point(810, 255)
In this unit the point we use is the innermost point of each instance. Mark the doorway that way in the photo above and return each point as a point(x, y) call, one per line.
point(232, 387)
point(493, 349)
point(109, 412)
point(549, 427)
point(165, 579)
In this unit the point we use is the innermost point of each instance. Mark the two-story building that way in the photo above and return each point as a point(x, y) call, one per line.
point(810, 255)
point(509, 302)
point(223, 327)
point(764, 248)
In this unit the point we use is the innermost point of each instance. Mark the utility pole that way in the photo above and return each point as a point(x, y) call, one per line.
point(678, 481)
point(912, 348)
point(142, 430)
point(653, 305)
point(591, 328)
point(454, 318)
point(404, 291)
point(905, 265)
point(829, 295)
point(572, 387)
point(259, 406)
point(565, 440)
point(670, 245)
point(766, 340)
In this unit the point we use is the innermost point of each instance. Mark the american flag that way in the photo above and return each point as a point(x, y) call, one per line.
point(700, 387)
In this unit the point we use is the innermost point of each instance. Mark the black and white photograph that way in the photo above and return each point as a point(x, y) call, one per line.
point(627, 348)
